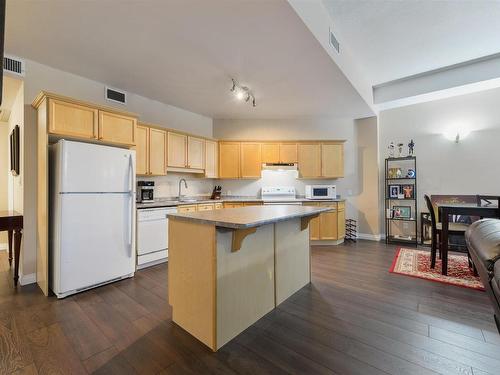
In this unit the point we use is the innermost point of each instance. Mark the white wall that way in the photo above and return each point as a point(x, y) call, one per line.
point(367, 197)
point(16, 183)
point(317, 128)
point(443, 166)
point(4, 170)
point(42, 77)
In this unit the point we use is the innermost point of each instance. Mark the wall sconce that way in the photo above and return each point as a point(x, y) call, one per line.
point(242, 92)
point(456, 135)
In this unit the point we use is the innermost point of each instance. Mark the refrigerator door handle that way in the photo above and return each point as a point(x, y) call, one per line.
point(131, 208)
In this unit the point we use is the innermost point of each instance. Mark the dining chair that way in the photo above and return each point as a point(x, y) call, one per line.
point(454, 228)
point(487, 200)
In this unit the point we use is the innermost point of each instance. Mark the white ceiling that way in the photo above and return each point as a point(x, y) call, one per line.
point(184, 52)
point(394, 39)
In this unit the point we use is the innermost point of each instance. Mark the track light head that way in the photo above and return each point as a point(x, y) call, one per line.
point(242, 92)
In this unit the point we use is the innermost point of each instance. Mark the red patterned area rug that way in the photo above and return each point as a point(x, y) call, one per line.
point(416, 263)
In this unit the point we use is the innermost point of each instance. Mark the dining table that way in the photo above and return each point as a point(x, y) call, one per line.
point(445, 210)
point(12, 222)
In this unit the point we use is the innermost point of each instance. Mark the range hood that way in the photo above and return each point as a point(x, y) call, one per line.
point(280, 166)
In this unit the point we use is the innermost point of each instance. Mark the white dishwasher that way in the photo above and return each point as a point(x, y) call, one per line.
point(152, 236)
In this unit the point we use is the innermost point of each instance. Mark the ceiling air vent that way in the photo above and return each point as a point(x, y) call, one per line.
point(334, 42)
point(116, 96)
point(13, 65)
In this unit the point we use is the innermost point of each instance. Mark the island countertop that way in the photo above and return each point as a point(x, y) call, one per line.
point(248, 217)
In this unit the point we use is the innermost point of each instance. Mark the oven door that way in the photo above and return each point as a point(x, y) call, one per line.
point(282, 203)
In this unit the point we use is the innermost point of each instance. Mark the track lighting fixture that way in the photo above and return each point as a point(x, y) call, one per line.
point(242, 92)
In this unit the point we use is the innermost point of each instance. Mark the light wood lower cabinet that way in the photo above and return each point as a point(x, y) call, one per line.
point(187, 208)
point(151, 151)
point(117, 128)
point(233, 205)
point(218, 206)
point(72, 119)
point(314, 223)
point(329, 225)
point(205, 207)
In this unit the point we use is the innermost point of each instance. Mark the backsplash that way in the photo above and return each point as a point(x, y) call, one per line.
point(168, 186)
point(269, 178)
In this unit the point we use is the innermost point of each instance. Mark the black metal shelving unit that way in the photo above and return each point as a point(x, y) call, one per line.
point(408, 162)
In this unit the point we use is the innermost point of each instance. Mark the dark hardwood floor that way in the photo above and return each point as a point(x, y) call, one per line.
point(355, 318)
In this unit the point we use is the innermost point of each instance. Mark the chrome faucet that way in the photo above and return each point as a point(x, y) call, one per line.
point(185, 185)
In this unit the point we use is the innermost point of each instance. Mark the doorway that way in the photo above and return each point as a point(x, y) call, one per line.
point(11, 184)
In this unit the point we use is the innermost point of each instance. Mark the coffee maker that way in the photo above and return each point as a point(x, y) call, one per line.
point(145, 191)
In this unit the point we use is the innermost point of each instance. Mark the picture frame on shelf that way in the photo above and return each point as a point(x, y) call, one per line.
point(394, 191)
point(395, 173)
point(408, 191)
point(402, 212)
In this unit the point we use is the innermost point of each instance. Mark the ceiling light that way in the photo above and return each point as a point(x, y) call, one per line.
point(242, 92)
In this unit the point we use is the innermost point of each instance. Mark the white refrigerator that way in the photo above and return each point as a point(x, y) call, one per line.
point(92, 216)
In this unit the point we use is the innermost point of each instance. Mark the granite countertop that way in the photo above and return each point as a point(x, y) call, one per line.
point(172, 202)
point(248, 217)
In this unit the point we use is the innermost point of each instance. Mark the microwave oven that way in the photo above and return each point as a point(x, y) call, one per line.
point(321, 192)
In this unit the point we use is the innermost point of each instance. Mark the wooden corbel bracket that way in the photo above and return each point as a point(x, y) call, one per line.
point(239, 235)
point(304, 221)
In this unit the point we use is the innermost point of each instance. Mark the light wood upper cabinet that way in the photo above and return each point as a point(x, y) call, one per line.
point(116, 128)
point(251, 160)
point(288, 153)
point(332, 160)
point(72, 119)
point(229, 160)
point(195, 153)
point(142, 150)
point(157, 152)
point(211, 159)
point(270, 153)
point(177, 150)
point(309, 156)
point(151, 151)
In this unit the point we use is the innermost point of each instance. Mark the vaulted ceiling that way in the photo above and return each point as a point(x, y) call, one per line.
point(185, 52)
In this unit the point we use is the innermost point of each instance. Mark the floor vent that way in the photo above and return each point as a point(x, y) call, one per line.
point(13, 65)
point(116, 96)
point(334, 42)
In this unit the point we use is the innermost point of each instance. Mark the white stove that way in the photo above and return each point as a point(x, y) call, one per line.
point(274, 195)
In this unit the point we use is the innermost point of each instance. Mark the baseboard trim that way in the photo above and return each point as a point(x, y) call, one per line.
point(326, 242)
point(27, 279)
point(370, 237)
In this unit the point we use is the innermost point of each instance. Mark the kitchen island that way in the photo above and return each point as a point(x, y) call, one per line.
point(228, 268)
